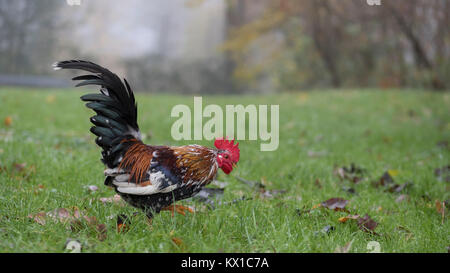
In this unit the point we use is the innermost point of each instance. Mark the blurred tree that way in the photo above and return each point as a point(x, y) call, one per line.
point(27, 35)
point(341, 43)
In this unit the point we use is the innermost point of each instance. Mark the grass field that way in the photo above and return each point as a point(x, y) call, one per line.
point(48, 157)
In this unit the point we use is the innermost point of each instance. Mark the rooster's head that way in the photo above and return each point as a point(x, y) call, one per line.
point(227, 155)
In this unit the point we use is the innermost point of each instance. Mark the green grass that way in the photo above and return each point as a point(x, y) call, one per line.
point(376, 130)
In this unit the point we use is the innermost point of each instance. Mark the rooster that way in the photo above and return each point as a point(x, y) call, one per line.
point(148, 177)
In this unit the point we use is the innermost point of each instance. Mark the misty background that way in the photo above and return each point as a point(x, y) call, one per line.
point(231, 46)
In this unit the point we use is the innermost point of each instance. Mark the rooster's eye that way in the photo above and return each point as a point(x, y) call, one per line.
point(226, 156)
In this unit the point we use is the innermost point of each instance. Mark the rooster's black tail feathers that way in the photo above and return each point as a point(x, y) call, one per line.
point(116, 109)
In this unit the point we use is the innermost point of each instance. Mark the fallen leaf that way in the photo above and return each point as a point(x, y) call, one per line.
point(337, 204)
point(60, 214)
point(385, 179)
point(327, 229)
point(349, 190)
point(270, 193)
point(443, 173)
point(317, 183)
point(116, 199)
point(76, 218)
point(393, 173)
point(8, 121)
point(102, 232)
point(210, 196)
point(348, 217)
point(177, 241)
point(367, 224)
point(20, 171)
point(38, 217)
point(92, 188)
point(399, 188)
point(19, 167)
point(439, 206)
point(353, 174)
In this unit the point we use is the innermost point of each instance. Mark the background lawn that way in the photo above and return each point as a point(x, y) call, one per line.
point(48, 157)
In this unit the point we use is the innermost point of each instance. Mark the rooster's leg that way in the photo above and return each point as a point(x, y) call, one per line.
point(178, 208)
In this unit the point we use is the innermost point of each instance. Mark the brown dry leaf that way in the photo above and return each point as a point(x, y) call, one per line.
point(367, 224)
point(116, 199)
point(353, 174)
point(19, 167)
point(92, 188)
point(443, 173)
point(60, 214)
point(344, 249)
point(20, 171)
point(439, 206)
point(102, 232)
point(177, 241)
point(270, 193)
point(90, 221)
point(317, 183)
point(8, 121)
point(364, 223)
point(38, 217)
point(38, 188)
point(384, 180)
point(337, 204)
point(348, 217)
point(399, 188)
point(76, 219)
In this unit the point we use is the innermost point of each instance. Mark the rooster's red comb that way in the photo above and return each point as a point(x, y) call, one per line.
point(225, 144)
